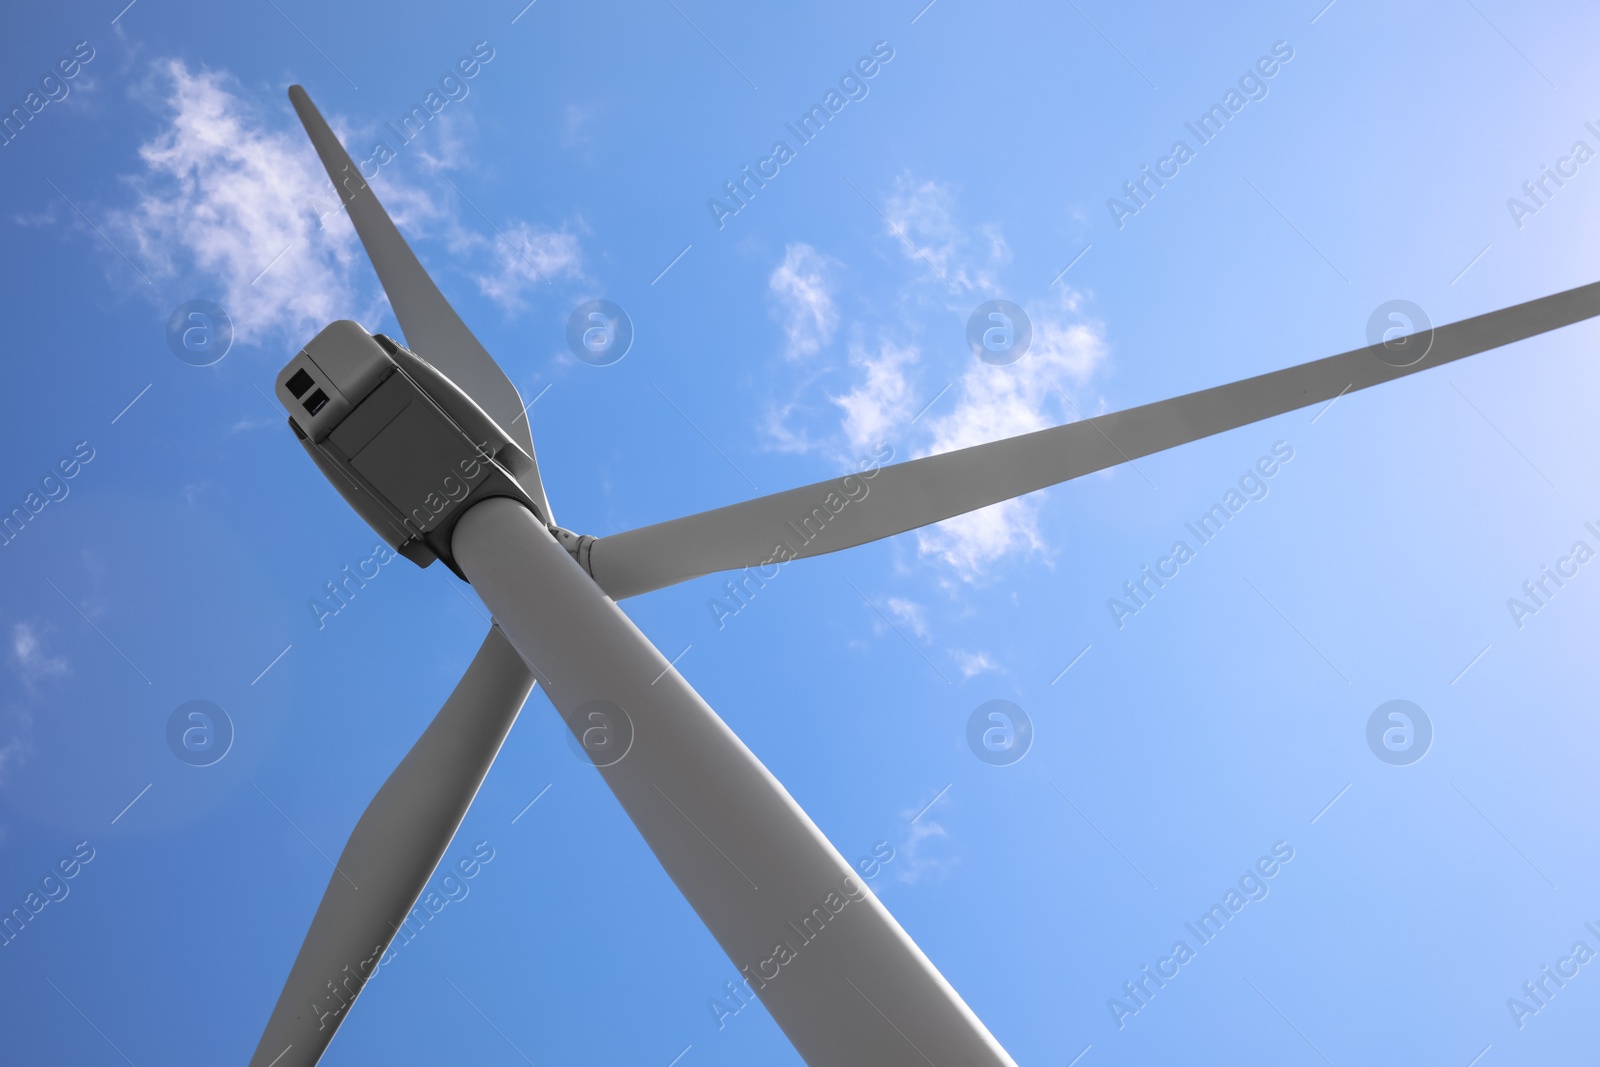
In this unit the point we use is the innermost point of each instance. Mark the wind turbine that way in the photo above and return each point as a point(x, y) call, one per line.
point(429, 444)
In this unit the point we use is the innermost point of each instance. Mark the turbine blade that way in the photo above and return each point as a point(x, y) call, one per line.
point(809, 938)
point(905, 496)
point(433, 329)
point(391, 853)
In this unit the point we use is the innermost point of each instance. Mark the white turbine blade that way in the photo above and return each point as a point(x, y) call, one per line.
point(853, 990)
point(433, 329)
point(801, 522)
point(392, 851)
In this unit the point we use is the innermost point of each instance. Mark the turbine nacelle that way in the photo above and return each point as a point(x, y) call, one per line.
point(403, 444)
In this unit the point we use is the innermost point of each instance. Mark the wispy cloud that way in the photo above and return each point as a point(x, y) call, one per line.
point(895, 368)
point(880, 405)
point(575, 122)
point(911, 615)
point(526, 257)
point(972, 664)
point(245, 425)
point(232, 203)
point(33, 665)
point(995, 402)
point(224, 192)
point(803, 293)
point(921, 216)
point(15, 752)
point(27, 651)
point(922, 856)
point(989, 402)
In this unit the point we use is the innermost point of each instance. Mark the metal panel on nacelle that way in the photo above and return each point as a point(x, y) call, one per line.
point(407, 448)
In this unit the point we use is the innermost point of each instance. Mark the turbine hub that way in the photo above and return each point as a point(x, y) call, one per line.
point(578, 546)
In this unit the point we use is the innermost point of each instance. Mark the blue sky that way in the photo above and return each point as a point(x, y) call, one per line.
point(1229, 714)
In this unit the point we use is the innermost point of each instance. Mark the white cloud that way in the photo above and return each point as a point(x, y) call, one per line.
point(921, 216)
point(996, 402)
point(918, 858)
point(801, 291)
point(880, 407)
point(782, 434)
point(972, 543)
point(988, 402)
point(912, 615)
point(575, 123)
point(804, 294)
point(221, 196)
point(234, 204)
point(245, 425)
point(15, 751)
point(33, 663)
point(527, 257)
point(443, 143)
point(972, 664)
